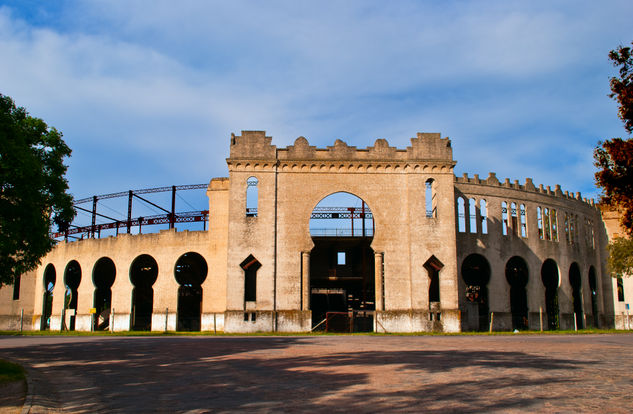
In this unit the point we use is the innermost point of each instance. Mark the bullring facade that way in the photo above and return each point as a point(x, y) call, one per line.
point(440, 253)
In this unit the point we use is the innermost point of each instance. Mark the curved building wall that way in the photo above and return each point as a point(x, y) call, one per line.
point(582, 243)
point(164, 247)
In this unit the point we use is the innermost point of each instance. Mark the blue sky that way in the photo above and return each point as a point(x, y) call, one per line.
point(147, 93)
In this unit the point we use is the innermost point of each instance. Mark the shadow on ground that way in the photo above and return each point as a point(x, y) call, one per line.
point(273, 374)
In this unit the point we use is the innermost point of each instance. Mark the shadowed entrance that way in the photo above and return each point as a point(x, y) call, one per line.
point(342, 264)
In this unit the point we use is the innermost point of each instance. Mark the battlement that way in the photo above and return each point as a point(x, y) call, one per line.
point(255, 145)
point(528, 186)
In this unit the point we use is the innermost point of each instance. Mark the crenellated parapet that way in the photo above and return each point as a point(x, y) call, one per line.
point(429, 152)
point(493, 183)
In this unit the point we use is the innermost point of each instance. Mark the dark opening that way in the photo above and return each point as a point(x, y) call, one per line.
point(190, 272)
point(342, 264)
point(576, 287)
point(16, 287)
point(72, 278)
point(517, 275)
point(550, 278)
point(476, 274)
point(143, 274)
point(47, 301)
point(620, 286)
point(250, 267)
point(594, 296)
point(433, 267)
point(103, 275)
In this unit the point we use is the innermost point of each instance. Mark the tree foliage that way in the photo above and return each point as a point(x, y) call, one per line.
point(614, 157)
point(32, 189)
point(622, 87)
point(621, 257)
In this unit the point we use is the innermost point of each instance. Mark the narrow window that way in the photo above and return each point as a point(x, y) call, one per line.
point(567, 239)
point(472, 213)
point(593, 237)
point(554, 222)
point(575, 228)
point(523, 220)
point(433, 267)
point(16, 287)
point(504, 217)
point(251, 197)
point(429, 199)
point(515, 220)
point(546, 224)
point(461, 215)
point(484, 216)
point(572, 225)
point(620, 289)
point(340, 258)
point(250, 267)
point(539, 222)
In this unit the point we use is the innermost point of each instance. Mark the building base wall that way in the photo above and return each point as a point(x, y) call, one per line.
point(444, 320)
point(212, 322)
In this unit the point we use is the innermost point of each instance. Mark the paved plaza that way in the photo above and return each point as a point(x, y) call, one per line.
point(531, 373)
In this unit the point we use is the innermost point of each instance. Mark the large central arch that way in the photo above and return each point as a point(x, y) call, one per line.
point(342, 284)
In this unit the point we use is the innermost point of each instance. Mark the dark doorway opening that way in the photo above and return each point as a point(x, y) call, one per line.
point(72, 279)
point(551, 279)
point(190, 272)
point(476, 275)
point(103, 275)
point(576, 292)
point(342, 291)
point(143, 274)
point(47, 300)
point(594, 296)
point(517, 275)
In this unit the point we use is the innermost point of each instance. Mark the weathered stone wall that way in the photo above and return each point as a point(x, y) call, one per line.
point(411, 231)
point(587, 249)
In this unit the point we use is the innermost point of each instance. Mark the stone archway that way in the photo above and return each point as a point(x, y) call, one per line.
point(103, 275)
point(476, 275)
point(517, 275)
point(143, 274)
point(341, 281)
point(190, 272)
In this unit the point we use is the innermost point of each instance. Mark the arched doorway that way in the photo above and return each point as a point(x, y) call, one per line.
point(476, 275)
point(143, 274)
point(72, 279)
point(576, 293)
point(551, 280)
point(593, 285)
point(517, 275)
point(342, 289)
point(103, 275)
point(190, 272)
point(50, 277)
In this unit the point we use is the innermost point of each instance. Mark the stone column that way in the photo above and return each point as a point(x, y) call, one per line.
point(305, 281)
point(378, 279)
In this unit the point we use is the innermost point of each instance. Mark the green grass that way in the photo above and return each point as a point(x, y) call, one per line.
point(10, 372)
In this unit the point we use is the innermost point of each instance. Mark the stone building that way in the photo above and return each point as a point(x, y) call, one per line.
point(436, 253)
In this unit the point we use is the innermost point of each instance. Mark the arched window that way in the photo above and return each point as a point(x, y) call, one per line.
point(523, 214)
point(430, 199)
point(251, 196)
point(539, 222)
point(250, 267)
point(554, 222)
point(461, 215)
point(484, 216)
point(546, 225)
point(515, 220)
point(567, 239)
point(504, 217)
point(472, 213)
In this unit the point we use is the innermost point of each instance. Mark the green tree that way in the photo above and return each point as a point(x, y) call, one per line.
point(32, 189)
point(614, 158)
